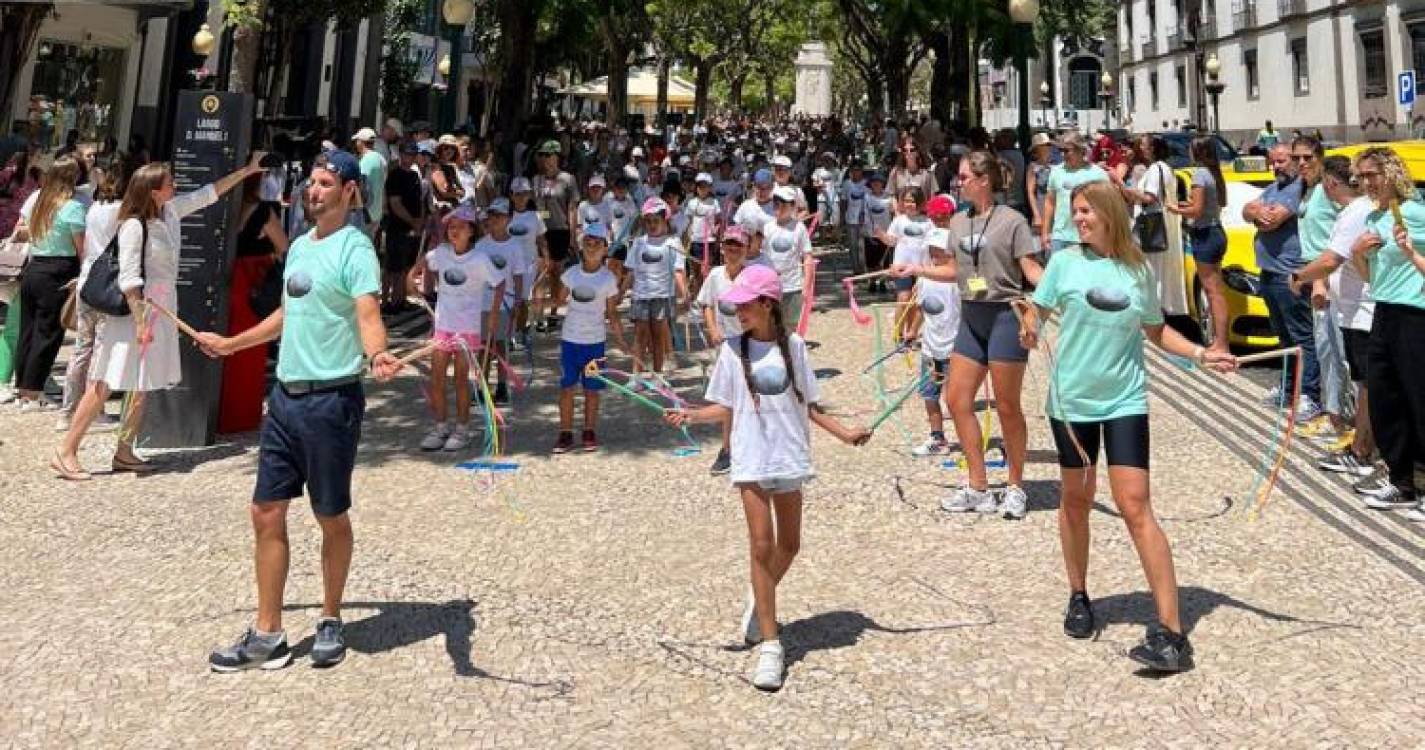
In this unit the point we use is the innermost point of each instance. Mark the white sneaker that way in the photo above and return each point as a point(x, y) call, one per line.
point(1415, 514)
point(1273, 397)
point(1013, 503)
point(40, 404)
point(1307, 409)
point(8, 396)
point(768, 675)
point(967, 499)
point(435, 439)
point(62, 424)
point(751, 633)
point(931, 447)
point(459, 438)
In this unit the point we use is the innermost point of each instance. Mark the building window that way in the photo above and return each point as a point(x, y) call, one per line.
point(1373, 53)
point(1152, 19)
point(75, 87)
point(1084, 73)
point(1153, 90)
point(1180, 80)
point(1132, 93)
point(1249, 64)
point(1417, 54)
point(1300, 74)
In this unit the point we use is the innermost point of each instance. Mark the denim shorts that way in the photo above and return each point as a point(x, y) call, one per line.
point(573, 358)
point(310, 441)
point(1209, 244)
point(904, 285)
point(940, 369)
point(778, 485)
point(657, 308)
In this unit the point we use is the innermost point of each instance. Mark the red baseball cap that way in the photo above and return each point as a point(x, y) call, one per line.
point(940, 205)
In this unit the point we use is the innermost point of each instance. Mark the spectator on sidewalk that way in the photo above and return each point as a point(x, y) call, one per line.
point(405, 217)
point(1278, 254)
point(373, 175)
point(54, 225)
point(1316, 218)
point(1058, 231)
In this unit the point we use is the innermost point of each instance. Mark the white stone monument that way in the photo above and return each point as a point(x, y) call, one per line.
point(813, 81)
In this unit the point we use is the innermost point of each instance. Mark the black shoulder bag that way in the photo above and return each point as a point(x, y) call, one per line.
point(101, 287)
point(1150, 229)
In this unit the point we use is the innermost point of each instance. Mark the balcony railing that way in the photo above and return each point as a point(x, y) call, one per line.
point(1207, 30)
point(1244, 14)
point(1175, 41)
point(1289, 8)
point(1148, 49)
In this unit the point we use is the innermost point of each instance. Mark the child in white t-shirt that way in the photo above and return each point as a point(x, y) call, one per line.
point(506, 252)
point(591, 292)
point(527, 226)
point(720, 318)
point(764, 384)
point(656, 274)
point(787, 248)
point(463, 278)
point(906, 235)
point(595, 207)
point(939, 305)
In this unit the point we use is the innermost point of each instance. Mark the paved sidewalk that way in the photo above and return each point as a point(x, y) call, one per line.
point(592, 600)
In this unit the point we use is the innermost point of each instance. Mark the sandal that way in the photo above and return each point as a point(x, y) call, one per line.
point(74, 475)
point(137, 466)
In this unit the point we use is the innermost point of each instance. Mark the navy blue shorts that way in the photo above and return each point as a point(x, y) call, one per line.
point(573, 358)
point(940, 370)
point(989, 332)
point(1209, 244)
point(310, 441)
point(904, 285)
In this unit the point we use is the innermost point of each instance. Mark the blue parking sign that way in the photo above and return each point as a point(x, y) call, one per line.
point(1406, 83)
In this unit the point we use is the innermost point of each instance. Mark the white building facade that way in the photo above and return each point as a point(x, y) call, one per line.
point(1303, 64)
point(1065, 91)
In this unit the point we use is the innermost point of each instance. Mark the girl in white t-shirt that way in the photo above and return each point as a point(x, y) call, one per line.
point(527, 226)
point(907, 234)
point(880, 207)
point(463, 278)
point(591, 292)
point(720, 318)
point(938, 304)
point(764, 384)
point(656, 274)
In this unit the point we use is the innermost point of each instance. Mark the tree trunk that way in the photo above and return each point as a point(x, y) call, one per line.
point(247, 46)
point(876, 98)
point(894, 67)
point(961, 88)
point(703, 81)
point(518, 20)
point(734, 94)
point(618, 84)
point(665, 65)
point(19, 30)
point(770, 86)
point(941, 75)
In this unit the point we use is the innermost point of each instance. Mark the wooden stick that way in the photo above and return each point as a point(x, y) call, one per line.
point(1273, 354)
point(871, 275)
point(415, 355)
point(184, 327)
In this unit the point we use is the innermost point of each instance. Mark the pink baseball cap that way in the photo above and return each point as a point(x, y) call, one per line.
point(754, 283)
point(940, 205)
point(736, 233)
point(654, 205)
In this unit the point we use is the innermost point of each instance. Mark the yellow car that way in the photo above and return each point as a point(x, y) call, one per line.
point(1247, 322)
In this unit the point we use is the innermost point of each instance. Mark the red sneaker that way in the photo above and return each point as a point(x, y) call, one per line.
point(591, 443)
point(565, 443)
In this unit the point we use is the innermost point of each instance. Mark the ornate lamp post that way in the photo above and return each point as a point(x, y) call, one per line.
point(1105, 94)
point(1214, 87)
point(1044, 101)
point(204, 41)
point(457, 14)
point(1023, 13)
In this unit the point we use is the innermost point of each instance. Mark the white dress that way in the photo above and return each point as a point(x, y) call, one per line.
point(119, 360)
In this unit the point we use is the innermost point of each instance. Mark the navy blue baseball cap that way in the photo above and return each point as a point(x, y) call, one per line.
point(343, 165)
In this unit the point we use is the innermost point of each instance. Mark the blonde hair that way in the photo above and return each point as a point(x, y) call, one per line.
point(1397, 177)
point(56, 190)
point(1107, 204)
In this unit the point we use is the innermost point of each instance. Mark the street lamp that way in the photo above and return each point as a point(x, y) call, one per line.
point(457, 14)
point(204, 41)
point(1044, 101)
point(1214, 88)
point(1023, 13)
point(1105, 92)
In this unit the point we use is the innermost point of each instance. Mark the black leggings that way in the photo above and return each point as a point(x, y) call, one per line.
point(42, 296)
point(1394, 357)
point(875, 254)
point(1126, 440)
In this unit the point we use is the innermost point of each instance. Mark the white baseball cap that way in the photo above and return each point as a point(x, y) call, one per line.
point(638, 151)
point(703, 177)
point(520, 185)
point(597, 181)
point(782, 161)
point(786, 193)
point(364, 134)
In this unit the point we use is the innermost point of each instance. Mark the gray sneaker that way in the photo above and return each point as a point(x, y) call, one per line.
point(329, 649)
point(1013, 503)
point(967, 500)
point(252, 652)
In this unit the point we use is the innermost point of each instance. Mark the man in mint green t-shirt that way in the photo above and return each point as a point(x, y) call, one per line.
point(330, 323)
point(1316, 216)
point(373, 172)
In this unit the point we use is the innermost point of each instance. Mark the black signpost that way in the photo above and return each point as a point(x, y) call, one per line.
point(211, 137)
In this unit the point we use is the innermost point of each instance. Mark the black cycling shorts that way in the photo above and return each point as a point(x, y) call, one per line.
point(1125, 440)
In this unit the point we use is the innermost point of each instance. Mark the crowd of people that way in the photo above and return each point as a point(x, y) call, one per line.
point(712, 226)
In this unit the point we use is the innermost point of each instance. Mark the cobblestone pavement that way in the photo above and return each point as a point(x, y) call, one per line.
point(591, 601)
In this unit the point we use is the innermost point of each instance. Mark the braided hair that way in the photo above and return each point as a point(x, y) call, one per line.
point(779, 329)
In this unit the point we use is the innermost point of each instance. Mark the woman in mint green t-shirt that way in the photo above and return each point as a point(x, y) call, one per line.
point(1103, 294)
point(54, 226)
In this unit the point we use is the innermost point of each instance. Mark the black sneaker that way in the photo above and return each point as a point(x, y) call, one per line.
point(1374, 484)
point(540, 327)
point(1078, 618)
point(329, 648)
point(723, 464)
point(252, 652)
point(502, 394)
point(1163, 650)
point(565, 443)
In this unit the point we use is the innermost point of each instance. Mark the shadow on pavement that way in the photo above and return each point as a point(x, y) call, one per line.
point(399, 624)
point(1194, 603)
point(843, 628)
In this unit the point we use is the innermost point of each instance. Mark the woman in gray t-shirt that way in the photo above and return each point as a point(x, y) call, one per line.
point(1203, 212)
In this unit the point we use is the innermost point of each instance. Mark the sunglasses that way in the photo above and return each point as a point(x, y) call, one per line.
point(1303, 157)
